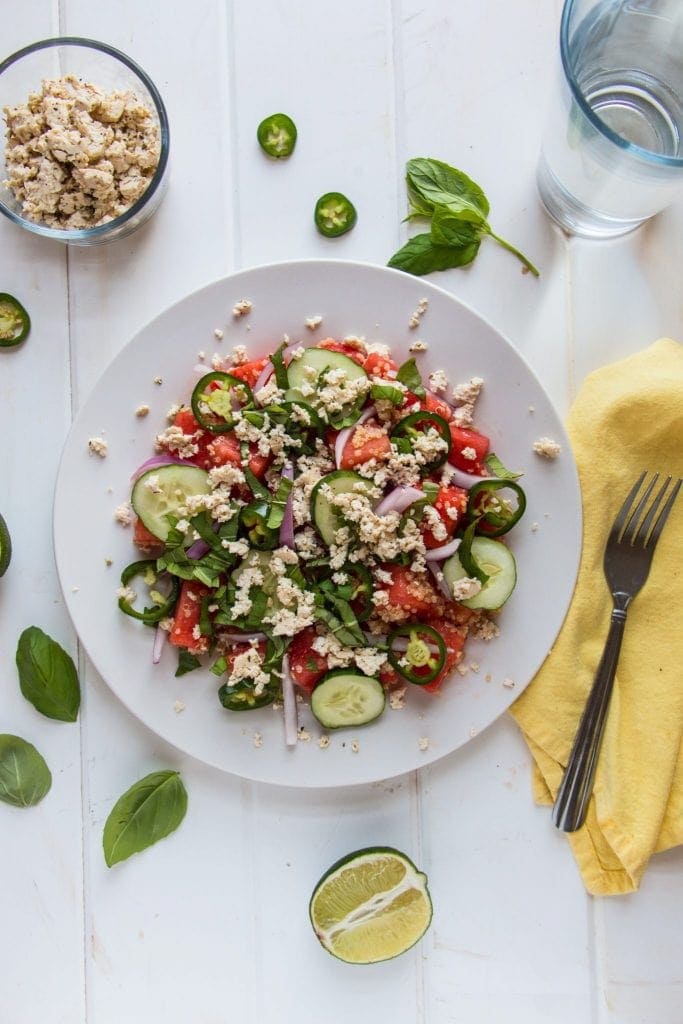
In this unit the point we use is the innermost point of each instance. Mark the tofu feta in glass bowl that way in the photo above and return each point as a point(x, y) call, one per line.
point(86, 141)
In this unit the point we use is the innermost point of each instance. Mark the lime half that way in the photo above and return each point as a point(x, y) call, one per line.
point(5, 547)
point(370, 906)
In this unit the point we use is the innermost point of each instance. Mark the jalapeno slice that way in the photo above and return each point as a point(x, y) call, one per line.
point(334, 214)
point(163, 603)
point(15, 323)
point(495, 515)
point(277, 136)
point(407, 430)
point(242, 697)
point(215, 399)
point(417, 652)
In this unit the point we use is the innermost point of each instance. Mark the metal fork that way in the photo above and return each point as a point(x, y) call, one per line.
point(628, 557)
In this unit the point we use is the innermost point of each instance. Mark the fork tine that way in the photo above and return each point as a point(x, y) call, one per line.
point(623, 511)
point(644, 528)
point(662, 517)
point(633, 519)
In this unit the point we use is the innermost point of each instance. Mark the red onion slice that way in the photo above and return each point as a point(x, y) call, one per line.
point(445, 551)
point(158, 645)
point(344, 435)
point(159, 460)
point(440, 580)
point(399, 500)
point(242, 638)
point(289, 705)
point(263, 377)
point(198, 549)
point(462, 479)
point(287, 525)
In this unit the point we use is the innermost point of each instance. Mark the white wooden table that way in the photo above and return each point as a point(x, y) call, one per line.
point(211, 926)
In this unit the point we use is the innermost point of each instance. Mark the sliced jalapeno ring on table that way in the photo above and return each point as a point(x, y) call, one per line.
point(417, 423)
point(334, 214)
point(215, 399)
point(417, 652)
point(242, 696)
point(15, 323)
point(163, 603)
point(277, 136)
point(494, 515)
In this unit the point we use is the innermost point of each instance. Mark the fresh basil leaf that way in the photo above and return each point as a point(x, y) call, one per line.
point(279, 503)
point(186, 662)
point(24, 776)
point(47, 676)
point(277, 359)
point(421, 256)
point(385, 393)
point(255, 485)
point(150, 810)
point(447, 229)
point(497, 468)
point(409, 375)
point(418, 207)
point(219, 666)
point(443, 185)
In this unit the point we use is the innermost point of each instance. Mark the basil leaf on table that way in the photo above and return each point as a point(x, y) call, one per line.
point(438, 184)
point(187, 662)
point(149, 811)
point(47, 676)
point(458, 210)
point(421, 256)
point(24, 776)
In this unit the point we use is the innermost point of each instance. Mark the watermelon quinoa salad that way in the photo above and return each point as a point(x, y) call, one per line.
point(320, 524)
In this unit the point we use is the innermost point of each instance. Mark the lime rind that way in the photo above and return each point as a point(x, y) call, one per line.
point(370, 906)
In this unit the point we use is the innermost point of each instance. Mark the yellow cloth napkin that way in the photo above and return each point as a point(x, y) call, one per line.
point(628, 417)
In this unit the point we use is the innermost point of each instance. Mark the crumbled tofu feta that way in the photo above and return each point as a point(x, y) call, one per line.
point(469, 454)
point(77, 157)
point(303, 735)
point(465, 588)
point(142, 411)
point(547, 448)
point(126, 594)
point(108, 562)
point(218, 333)
point(508, 683)
point(97, 446)
point(124, 514)
point(397, 698)
point(423, 743)
point(158, 380)
point(324, 742)
point(313, 321)
point(418, 313)
point(258, 740)
point(242, 307)
point(178, 706)
point(535, 527)
point(239, 355)
point(174, 440)
point(418, 346)
point(464, 397)
point(438, 381)
point(355, 746)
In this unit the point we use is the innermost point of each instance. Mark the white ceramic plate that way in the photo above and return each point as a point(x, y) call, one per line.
point(352, 299)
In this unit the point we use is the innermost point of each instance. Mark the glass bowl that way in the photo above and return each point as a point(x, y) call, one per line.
point(109, 70)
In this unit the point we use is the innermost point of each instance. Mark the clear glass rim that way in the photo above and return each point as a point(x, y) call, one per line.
point(640, 152)
point(80, 234)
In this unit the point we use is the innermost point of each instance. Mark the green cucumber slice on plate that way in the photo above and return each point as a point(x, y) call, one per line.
point(321, 359)
point(497, 561)
point(171, 489)
point(342, 699)
point(325, 516)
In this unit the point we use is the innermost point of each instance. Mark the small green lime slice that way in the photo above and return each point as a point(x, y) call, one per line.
point(371, 905)
point(5, 547)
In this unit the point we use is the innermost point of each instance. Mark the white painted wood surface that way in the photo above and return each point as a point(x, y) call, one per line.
point(211, 926)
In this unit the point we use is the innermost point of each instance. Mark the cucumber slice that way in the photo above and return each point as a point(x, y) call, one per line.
point(498, 563)
point(5, 547)
point(326, 517)
point(321, 359)
point(344, 698)
point(174, 486)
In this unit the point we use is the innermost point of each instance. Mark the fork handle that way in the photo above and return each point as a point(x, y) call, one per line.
point(569, 811)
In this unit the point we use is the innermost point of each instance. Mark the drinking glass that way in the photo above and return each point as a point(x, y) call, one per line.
point(612, 151)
